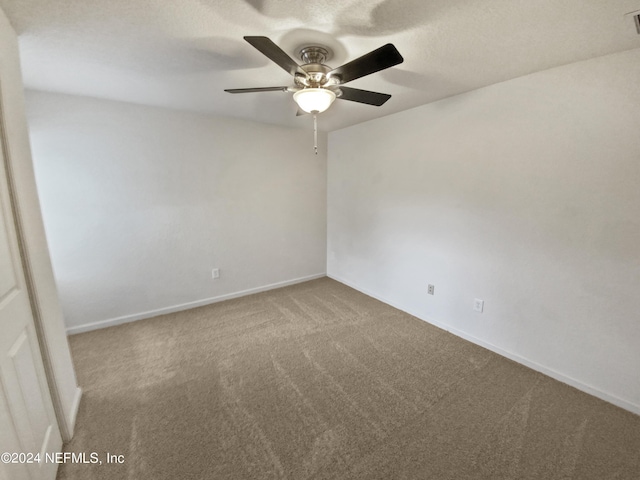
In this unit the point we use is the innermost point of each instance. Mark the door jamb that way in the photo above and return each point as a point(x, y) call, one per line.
point(28, 274)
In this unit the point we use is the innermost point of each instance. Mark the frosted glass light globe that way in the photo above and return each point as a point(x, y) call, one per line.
point(314, 100)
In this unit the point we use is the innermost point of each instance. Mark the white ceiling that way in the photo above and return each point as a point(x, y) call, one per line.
point(182, 54)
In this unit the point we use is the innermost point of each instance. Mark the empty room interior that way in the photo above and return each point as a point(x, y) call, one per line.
point(266, 239)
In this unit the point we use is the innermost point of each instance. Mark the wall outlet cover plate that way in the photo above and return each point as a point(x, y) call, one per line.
point(478, 305)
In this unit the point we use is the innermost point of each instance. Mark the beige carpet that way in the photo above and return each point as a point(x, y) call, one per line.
point(318, 381)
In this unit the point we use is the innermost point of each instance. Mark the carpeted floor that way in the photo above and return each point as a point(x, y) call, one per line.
point(318, 381)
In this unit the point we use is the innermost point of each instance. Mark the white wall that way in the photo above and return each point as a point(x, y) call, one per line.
point(141, 203)
point(525, 194)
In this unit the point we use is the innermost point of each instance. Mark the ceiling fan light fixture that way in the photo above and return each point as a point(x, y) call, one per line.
point(314, 100)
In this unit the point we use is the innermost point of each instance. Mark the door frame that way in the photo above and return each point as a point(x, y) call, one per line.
point(32, 244)
point(29, 280)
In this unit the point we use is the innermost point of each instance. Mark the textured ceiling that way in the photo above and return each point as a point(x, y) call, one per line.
point(182, 54)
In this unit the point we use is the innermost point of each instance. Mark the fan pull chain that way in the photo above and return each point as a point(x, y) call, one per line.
point(315, 133)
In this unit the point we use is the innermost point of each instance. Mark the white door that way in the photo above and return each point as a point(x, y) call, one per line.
point(27, 420)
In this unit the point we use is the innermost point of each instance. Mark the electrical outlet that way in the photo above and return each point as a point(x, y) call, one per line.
point(430, 289)
point(478, 305)
point(215, 273)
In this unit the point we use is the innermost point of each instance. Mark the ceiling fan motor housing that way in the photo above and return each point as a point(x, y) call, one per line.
point(314, 58)
point(316, 75)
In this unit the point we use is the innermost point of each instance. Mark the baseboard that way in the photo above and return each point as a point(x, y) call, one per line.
point(626, 405)
point(185, 306)
point(73, 412)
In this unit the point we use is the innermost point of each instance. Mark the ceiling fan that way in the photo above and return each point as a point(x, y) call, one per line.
point(318, 85)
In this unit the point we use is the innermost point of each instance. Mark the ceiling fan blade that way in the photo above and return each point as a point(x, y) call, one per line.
point(275, 54)
point(259, 89)
point(363, 96)
point(379, 59)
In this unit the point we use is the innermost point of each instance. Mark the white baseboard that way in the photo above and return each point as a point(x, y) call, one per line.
point(185, 306)
point(631, 407)
point(73, 412)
